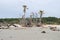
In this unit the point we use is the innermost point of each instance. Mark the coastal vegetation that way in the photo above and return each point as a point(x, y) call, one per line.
point(45, 20)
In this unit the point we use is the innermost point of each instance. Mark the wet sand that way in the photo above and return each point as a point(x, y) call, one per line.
point(33, 33)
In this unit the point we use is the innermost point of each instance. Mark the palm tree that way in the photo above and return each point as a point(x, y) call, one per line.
point(41, 13)
point(24, 10)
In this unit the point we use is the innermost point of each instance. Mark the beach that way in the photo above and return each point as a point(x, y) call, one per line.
point(30, 33)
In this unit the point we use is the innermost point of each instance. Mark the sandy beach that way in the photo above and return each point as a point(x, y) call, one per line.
point(29, 19)
point(33, 33)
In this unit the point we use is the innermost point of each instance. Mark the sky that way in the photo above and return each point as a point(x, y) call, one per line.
point(14, 8)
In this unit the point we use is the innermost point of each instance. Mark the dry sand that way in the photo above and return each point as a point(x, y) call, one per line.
point(33, 33)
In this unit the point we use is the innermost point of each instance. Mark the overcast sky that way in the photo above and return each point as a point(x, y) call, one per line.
point(13, 8)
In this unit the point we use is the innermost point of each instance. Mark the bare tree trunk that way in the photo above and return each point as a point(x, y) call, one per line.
point(40, 18)
point(41, 13)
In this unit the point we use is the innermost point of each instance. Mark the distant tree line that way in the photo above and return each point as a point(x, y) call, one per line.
point(51, 20)
point(45, 20)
